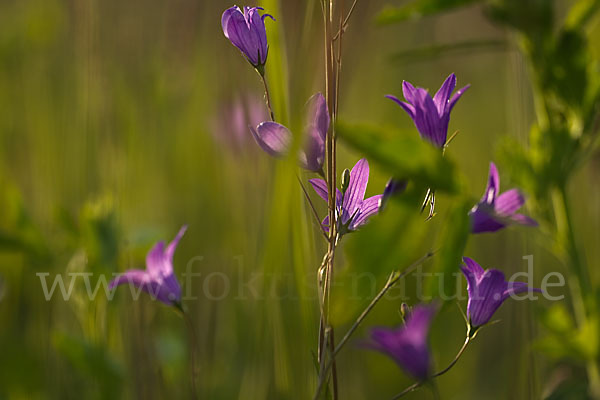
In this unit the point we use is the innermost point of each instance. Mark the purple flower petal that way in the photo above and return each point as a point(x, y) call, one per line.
point(443, 94)
point(485, 297)
point(410, 110)
point(523, 220)
point(457, 96)
point(368, 207)
point(359, 177)
point(320, 187)
point(142, 280)
point(494, 211)
point(487, 291)
point(427, 119)
point(408, 90)
point(509, 202)
point(158, 279)
point(493, 185)
point(246, 30)
point(407, 345)
point(135, 277)
point(273, 138)
point(482, 219)
point(431, 116)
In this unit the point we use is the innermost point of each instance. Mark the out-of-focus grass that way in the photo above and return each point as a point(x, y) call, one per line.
point(112, 136)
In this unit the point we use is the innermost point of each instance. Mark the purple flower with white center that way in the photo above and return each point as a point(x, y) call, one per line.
point(158, 278)
point(487, 291)
point(246, 30)
point(275, 139)
point(352, 208)
point(494, 212)
point(431, 116)
point(407, 344)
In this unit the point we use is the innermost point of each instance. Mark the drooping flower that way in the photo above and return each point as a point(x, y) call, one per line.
point(275, 139)
point(487, 291)
point(246, 30)
point(393, 187)
point(352, 208)
point(407, 344)
point(158, 278)
point(494, 212)
point(430, 115)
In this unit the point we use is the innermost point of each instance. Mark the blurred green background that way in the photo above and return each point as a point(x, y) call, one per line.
point(120, 121)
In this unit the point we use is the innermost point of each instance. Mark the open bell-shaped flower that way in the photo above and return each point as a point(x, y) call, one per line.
point(487, 289)
point(494, 212)
point(430, 115)
point(158, 279)
point(352, 207)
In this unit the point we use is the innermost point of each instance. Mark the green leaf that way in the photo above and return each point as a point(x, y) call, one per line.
point(421, 8)
point(405, 156)
point(452, 244)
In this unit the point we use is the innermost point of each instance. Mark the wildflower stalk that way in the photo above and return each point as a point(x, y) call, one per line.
point(191, 332)
point(392, 280)
point(326, 271)
point(580, 285)
point(261, 73)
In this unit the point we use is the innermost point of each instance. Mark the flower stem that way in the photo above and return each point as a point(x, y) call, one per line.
point(192, 341)
point(418, 384)
point(580, 285)
point(392, 280)
point(267, 96)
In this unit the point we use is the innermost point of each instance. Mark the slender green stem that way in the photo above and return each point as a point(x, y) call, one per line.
point(192, 341)
point(345, 23)
point(392, 280)
point(418, 384)
point(580, 286)
point(267, 95)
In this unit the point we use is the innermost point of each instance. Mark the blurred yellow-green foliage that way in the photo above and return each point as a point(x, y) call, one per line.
point(120, 121)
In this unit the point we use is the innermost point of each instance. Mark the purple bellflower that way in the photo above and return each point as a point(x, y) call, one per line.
point(487, 291)
point(430, 115)
point(352, 208)
point(275, 139)
point(494, 212)
point(407, 344)
point(245, 28)
point(158, 278)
